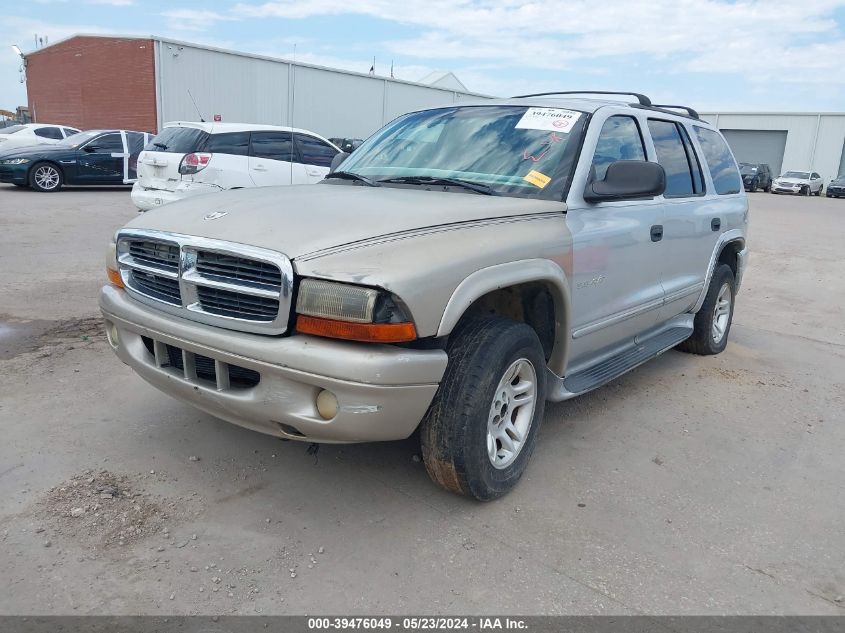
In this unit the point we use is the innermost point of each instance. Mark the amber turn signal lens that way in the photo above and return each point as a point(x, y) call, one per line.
point(365, 332)
point(114, 277)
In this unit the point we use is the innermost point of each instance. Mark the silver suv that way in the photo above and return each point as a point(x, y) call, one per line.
point(465, 265)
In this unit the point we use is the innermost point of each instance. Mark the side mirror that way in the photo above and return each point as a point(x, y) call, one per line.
point(337, 160)
point(90, 148)
point(626, 180)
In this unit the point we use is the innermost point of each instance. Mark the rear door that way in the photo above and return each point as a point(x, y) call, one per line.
point(274, 159)
point(100, 160)
point(316, 156)
point(158, 164)
point(704, 199)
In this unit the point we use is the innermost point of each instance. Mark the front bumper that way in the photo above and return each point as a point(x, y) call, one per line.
point(383, 391)
point(787, 188)
point(146, 199)
point(16, 174)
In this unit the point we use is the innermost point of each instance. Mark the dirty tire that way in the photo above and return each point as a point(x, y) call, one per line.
point(453, 435)
point(45, 177)
point(701, 342)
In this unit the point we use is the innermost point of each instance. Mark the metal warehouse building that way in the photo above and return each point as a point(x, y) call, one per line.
point(802, 141)
point(94, 81)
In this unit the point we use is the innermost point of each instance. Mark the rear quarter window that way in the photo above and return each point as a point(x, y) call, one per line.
point(720, 161)
point(178, 140)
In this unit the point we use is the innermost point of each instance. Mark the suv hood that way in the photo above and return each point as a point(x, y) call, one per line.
point(303, 219)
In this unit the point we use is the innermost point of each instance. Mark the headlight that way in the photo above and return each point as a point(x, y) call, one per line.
point(14, 161)
point(356, 313)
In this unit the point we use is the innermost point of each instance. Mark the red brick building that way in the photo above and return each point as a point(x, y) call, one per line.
point(92, 82)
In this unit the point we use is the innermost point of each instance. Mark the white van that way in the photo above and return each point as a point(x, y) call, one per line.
point(189, 158)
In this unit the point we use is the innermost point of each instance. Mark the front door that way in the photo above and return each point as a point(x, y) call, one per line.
point(617, 255)
point(100, 161)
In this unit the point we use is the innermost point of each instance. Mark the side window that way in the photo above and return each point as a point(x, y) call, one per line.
point(273, 145)
point(135, 140)
point(672, 155)
point(49, 132)
point(236, 143)
point(69, 131)
point(619, 139)
point(314, 151)
point(719, 160)
point(107, 144)
point(695, 164)
point(816, 176)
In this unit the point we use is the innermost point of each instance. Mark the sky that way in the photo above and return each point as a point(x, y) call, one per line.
point(713, 55)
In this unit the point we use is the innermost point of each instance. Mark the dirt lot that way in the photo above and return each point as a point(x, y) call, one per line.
point(692, 485)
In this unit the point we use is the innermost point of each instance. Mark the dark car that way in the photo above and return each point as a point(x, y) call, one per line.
point(347, 145)
point(96, 157)
point(836, 187)
point(756, 176)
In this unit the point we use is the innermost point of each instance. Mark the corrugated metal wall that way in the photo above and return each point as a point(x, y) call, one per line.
point(249, 89)
point(814, 142)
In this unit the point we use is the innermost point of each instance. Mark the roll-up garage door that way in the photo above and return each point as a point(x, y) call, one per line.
point(758, 146)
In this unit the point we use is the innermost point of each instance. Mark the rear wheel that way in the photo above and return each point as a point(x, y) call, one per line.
point(45, 177)
point(713, 321)
point(480, 430)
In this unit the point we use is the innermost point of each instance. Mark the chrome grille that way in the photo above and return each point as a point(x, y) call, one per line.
point(212, 281)
point(162, 288)
point(235, 269)
point(237, 304)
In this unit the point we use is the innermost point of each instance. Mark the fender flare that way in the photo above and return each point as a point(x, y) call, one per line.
point(734, 235)
point(500, 276)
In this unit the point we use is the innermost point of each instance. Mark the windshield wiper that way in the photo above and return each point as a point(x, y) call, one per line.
point(348, 175)
point(437, 180)
point(161, 145)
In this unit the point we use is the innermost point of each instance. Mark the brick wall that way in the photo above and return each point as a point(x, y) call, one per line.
point(94, 82)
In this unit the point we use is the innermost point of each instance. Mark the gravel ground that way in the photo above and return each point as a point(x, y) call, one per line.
point(691, 485)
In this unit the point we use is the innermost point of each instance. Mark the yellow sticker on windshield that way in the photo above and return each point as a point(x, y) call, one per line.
point(536, 178)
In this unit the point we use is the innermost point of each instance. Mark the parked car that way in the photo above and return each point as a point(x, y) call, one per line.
point(836, 187)
point(465, 265)
point(95, 157)
point(756, 176)
point(801, 182)
point(188, 159)
point(347, 145)
point(26, 134)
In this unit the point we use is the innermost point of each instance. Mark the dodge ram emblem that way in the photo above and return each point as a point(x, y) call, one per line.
point(216, 215)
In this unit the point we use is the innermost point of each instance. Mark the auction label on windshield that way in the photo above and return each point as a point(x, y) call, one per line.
point(537, 178)
point(549, 119)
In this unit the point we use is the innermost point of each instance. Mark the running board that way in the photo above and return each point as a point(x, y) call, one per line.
point(597, 375)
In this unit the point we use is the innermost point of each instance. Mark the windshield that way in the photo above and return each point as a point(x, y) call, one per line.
point(747, 168)
point(12, 129)
point(78, 139)
point(515, 150)
point(803, 175)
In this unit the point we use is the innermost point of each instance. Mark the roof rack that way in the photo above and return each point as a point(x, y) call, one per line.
point(645, 101)
point(691, 112)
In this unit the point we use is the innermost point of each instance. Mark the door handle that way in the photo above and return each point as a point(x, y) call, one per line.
point(259, 168)
point(656, 232)
point(715, 224)
point(314, 172)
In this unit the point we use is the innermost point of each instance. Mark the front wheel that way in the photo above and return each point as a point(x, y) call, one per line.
point(713, 321)
point(45, 177)
point(753, 186)
point(480, 430)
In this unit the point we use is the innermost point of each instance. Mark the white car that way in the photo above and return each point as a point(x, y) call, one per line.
point(803, 182)
point(188, 159)
point(27, 134)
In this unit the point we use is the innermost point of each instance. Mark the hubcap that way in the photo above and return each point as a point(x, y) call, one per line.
point(721, 313)
point(511, 413)
point(46, 177)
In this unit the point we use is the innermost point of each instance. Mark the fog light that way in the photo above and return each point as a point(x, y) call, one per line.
point(326, 404)
point(112, 335)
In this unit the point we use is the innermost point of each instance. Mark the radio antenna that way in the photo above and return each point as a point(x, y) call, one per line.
point(195, 106)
